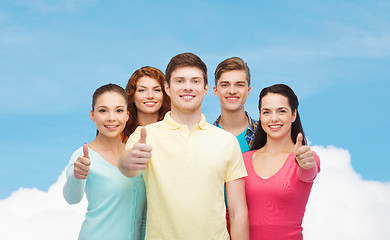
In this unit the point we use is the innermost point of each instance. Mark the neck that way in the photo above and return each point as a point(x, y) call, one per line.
point(146, 118)
point(279, 145)
point(103, 143)
point(234, 122)
point(187, 118)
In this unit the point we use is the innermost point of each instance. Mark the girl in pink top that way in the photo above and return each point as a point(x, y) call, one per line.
point(281, 170)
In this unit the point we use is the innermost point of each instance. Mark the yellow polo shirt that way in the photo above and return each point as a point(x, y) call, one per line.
point(185, 179)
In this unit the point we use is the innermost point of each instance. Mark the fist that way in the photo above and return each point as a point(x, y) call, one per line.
point(140, 154)
point(81, 166)
point(303, 154)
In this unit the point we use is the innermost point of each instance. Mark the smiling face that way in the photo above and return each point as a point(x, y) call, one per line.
point(148, 96)
point(110, 114)
point(232, 90)
point(276, 116)
point(186, 89)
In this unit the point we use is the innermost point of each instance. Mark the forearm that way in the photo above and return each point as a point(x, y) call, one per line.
point(239, 224)
point(307, 175)
point(73, 190)
point(238, 211)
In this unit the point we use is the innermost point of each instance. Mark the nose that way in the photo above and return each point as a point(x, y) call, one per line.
point(111, 116)
point(274, 116)
point(150, 94)
point(187, 86)
point(232, 89)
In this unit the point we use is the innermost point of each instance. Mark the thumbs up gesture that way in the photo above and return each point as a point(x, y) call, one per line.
point(303, 154)
point(141, 153)
point(81, 166)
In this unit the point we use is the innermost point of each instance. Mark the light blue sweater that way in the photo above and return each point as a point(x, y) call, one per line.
point(116, 204)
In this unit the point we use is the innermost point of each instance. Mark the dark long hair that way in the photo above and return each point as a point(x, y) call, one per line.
point(131, 87)
point(296, 127)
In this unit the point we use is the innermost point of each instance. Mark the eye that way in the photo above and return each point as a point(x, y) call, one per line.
point(157, 90)
point(141, 90)
point(265, 112)
point(241, 85)
point(102, 110)
point(119, 110)
point(224, 85)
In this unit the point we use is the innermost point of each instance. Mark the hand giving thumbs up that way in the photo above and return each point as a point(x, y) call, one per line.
point(81, 166)
point(141, 153)
point(303, 154)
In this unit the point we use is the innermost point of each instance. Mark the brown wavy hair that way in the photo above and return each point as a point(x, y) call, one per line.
point(231, 64)
point(131, 87)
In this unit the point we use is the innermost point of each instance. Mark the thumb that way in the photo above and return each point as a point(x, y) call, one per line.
point(142, 139)
point(85, 151)
point(298, 144)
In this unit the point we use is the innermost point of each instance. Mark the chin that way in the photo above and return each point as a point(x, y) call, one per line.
point(151, 111)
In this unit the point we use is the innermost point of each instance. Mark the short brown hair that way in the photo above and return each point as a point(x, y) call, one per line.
point(185, 60)
point(231, 64)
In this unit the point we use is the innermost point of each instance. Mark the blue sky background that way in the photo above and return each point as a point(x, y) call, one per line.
point(54, 54)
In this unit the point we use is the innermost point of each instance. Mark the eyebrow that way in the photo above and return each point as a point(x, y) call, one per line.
point(103, 106)
point(191, 78)
point(157, 86)
point(222, 82)
point(277, 108)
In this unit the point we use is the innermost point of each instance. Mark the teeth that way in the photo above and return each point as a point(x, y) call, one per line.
point(150, 103)
point(187, 97)
point(111, 126)
point(232, 98)
point(277, 126)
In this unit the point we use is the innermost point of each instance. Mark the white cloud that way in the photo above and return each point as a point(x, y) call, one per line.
point(342, 206)
point(34, 214)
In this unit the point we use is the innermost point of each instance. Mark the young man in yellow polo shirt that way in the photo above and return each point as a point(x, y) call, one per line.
point(186, 162)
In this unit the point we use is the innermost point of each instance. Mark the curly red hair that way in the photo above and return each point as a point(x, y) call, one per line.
point(132, 123)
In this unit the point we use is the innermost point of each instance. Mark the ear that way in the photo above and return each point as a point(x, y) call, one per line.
point(215, 91)
point(206, 88)
point(167, 89)
point(127, 117)
point(249, 90)
point(92, 116)
point(294, 115)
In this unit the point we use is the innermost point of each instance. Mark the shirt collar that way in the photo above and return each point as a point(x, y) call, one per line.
point(252, 123)
point(216, 123)
point(251, 126)
point(172, 124)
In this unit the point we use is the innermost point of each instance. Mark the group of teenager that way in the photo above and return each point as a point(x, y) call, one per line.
point(158, 170)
